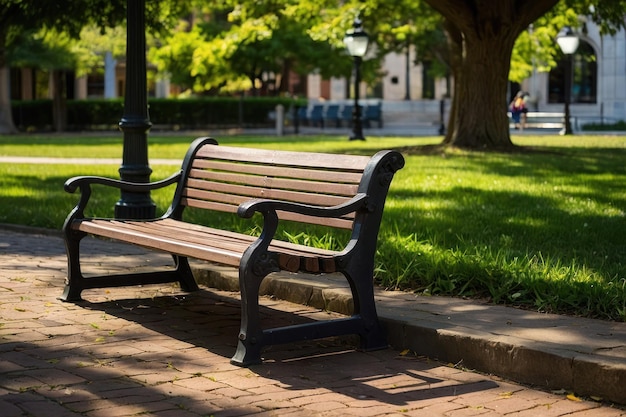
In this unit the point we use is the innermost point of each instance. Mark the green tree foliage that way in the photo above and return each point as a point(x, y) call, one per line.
point(234, 45)
point(230, 45)
point(536, 46)
point(174, 56)
point(50, 25)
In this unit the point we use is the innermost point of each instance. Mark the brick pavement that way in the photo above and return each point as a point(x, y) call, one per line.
point(155, 351)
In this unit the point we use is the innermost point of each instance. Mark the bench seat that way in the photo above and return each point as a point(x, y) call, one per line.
point(206, 243)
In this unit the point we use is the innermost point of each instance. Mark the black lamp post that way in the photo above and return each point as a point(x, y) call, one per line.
point(356, 41)
point(135, 122)
point(568, 42)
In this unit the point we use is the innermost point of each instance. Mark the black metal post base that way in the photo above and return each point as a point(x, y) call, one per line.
point(135, 168)
point(132, 207)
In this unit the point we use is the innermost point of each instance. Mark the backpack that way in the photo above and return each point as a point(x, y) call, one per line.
point(518, 104)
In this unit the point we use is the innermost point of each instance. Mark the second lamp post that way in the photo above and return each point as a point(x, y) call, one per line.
point(568, 42)
point(356, 41)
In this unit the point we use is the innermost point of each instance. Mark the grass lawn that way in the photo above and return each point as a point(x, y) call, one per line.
point(544, 228)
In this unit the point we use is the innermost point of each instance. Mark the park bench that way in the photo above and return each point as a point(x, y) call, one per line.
point(373, 113)
point(543, 120)
point(326, 190)
point(346, 114)
point(316, 118)
point(302, 115)
point(332, 115)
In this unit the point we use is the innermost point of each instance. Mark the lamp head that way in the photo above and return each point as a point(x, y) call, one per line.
point(356, 40)
point(568, 40)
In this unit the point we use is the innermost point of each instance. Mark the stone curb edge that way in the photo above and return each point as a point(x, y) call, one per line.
point(508, 358)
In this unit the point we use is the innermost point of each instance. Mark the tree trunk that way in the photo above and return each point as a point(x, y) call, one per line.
point(6, 114)
point(480, 96)
point(59, 103)
point(486, 31)
point(285, 78)
point(455, 43)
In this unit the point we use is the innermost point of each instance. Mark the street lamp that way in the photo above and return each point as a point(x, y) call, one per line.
point(568, 42)
point(356, 41)
point(135, 122)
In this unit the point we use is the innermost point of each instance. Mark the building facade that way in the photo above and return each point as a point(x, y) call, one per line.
point(407, 91)
point(598, 92)
point(598, 75)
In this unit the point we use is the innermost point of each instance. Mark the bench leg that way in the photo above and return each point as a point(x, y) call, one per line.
point(187, 281)
point(372, 336)
point(74, 279)
point(250, 340)
point(76, 282)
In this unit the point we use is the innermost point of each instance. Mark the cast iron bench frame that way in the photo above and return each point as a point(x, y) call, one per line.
point(344, 191)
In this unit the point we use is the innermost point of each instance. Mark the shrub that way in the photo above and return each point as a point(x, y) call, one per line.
point(600, 127)
point(191, 113)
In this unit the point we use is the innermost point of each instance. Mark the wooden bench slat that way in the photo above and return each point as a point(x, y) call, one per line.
point(304, 174)
point(202, 194)
point(208, 205)
point(214, 237)
point(210, 191)
point(166, 245)
point(342, 222)
point(286, 158)
point(197, 227)
point(156, 229)
point(275, 182)
point(176, 237)
point(178, 225)
point(237, 243)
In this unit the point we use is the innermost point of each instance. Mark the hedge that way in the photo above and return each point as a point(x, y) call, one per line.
point(170, 113)
point(600, 127)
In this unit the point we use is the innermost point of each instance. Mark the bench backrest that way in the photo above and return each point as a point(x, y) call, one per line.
point(332, 111)
point(317, 112)
point(222, 177)
point(373, 111)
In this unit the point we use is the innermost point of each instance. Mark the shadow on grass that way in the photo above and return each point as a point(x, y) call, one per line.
point(481, 226)
point(476, 238)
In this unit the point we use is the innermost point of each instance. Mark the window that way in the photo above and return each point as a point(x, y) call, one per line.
point(428, 80)
point(584, 77)
point(95, 84)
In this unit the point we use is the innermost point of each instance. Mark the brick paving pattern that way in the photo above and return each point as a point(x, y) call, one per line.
point(156, 351)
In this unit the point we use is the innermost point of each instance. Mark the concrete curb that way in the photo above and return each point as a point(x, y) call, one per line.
point(583, 356)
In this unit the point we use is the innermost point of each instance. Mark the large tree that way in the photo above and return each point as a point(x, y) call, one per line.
point(482, 34)
point(481, 37)
point(31, 16)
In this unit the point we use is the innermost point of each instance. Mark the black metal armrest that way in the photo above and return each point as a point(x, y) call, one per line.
point(75, 183)
point(269, 208)
point(84, 183)
point(248, 208)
